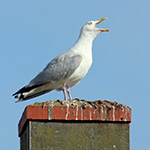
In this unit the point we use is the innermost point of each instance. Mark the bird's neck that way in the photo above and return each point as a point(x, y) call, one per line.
point(83, 47)
point(84, 43)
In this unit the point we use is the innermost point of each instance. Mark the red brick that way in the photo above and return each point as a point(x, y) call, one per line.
point(104, 111)
point(37, 112)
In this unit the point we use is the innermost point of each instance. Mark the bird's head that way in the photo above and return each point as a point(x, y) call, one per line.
point(90, 30)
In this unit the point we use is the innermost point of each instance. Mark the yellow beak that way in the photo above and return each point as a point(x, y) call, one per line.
point(101, 20)
point(106, 30)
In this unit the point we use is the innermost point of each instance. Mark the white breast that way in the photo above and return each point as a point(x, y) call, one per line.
point(81, 71)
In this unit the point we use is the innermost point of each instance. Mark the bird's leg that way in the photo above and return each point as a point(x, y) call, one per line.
point(69, 93)
point(64, 91)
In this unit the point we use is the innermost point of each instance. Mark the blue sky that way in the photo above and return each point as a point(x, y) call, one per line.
point(33, 32)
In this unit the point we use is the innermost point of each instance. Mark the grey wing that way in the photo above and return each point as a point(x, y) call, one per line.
point(58, 69)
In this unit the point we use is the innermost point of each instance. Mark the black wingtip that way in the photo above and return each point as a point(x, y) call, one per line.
point(14, 94)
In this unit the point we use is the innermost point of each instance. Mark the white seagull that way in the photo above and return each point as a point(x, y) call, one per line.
point(67, 69)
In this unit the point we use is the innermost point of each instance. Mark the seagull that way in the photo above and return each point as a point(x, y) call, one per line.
point(65, 70)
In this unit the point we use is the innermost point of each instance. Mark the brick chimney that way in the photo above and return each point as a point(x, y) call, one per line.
point(75, 125)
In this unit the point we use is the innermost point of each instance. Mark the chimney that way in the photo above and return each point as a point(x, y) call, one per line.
point(75, 125)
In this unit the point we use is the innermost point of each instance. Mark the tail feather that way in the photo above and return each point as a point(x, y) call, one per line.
point(29, 92)
point(22, 98)
point(27, 88)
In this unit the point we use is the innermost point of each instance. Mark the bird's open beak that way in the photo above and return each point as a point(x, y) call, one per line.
point(99, 21)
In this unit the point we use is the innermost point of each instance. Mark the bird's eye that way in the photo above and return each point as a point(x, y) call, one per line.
point(89, 23)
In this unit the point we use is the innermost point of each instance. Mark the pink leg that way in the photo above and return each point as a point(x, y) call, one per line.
point(69, 93)
point(64, 91)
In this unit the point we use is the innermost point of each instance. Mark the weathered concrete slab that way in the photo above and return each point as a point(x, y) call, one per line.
point(41, 135)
